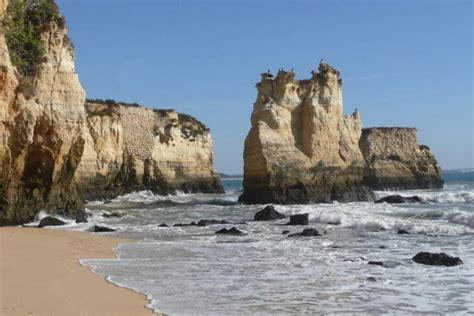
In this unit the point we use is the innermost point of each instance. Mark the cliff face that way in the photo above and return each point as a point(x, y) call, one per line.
point(41, 129)
point(396, 161)
point(130, 148)
point(55, 151)
point(300, 147)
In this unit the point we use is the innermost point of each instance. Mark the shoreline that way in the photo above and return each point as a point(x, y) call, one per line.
point(41, 274)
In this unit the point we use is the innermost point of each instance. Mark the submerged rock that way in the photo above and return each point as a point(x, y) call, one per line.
point(163, 225)
point(50, 221)
point(230, 231)
point(398, 199)
point(403, 232)
point(82, 218)
point(376, 263)
point(298, 219)
point(112, 215)
point(207, 222)
point(285, 232)
point(102, 229)
point(267, 214)
point(436, 259)
point(307, 232)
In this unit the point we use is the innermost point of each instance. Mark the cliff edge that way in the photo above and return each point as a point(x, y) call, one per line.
point(301, 148)
point(131, 148)
point(395, 160)
point(41, 113)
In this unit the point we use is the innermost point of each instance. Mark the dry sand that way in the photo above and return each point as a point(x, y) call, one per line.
point(40, 274)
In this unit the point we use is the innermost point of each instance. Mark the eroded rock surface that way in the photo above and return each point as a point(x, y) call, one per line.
point(301, 148)
point(131, 148)
point(41, 130)
point(396, 161)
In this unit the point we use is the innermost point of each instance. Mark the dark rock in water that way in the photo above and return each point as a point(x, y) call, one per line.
point(437, 259)
point(371, 279)
point(285, 232)
point(193, 224)
point(307, 232)
point(107, 202)
point(163, 225)
point(50, 221)
point(82, 217)
point(376, 263)
point(403, 232)
point(231, 231)
point(267, 214)
point(111, 215)
point(298, 219)
point(102, 229)
point(382, 247)
point(398, 199)
point(181, 225)
point(334, 223)
point(206, 222)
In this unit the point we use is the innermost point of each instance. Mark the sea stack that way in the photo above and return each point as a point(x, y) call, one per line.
point(301, 148)
point(395, 160)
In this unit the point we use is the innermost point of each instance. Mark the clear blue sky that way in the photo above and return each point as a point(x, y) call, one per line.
point(403, 63)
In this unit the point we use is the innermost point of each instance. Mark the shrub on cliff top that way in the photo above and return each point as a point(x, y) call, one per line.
point(25, 21)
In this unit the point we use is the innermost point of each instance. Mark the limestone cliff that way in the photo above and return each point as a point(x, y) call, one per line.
point(395, 160)
point(55, 151)
point(130, 148)
point(41, 124)
point(301, 148)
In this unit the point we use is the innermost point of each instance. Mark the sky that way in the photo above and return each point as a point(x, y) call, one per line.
point(403, 63)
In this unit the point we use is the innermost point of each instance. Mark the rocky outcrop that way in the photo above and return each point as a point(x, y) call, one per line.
point(130, 148)
point(395, 160)
point(301, 148)
point(41, 128)
point(55, 151)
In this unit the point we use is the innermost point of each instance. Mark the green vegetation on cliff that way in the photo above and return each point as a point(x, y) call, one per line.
point(24, 22)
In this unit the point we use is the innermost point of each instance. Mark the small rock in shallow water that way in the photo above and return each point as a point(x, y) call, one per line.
point(82, 218)
point(111, 215)
point(403, 232)
point(376, 263)
point(398, 199)
point(267, 214)
point(436, 259)
point(102, 229)
point(163, 225)
point(307, 232)
point(50, 221)
point(285, 232)
point(371, 279)
point(231, 231)
point(298, 219)
point(382, 247)
point(206, 222)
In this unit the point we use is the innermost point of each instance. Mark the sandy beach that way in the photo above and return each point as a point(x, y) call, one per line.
point(41, 275)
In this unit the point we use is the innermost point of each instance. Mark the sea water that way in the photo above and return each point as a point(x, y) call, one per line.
point(193, 271)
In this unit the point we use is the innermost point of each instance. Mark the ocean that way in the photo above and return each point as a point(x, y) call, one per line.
point(193, 271)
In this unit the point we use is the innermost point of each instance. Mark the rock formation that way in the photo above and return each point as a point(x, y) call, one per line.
point(50, 141)
point(396, 161)
point(301, 148)
point(41, 128)
point(130, 148)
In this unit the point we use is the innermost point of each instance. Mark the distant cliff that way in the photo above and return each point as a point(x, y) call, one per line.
point(395, 160)
point(130, 148)
point(55, 151)
point(301, 148)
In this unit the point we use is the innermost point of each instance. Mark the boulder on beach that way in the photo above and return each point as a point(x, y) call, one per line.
point(307, 232)
point(50, 221)
point(267, 214)
point(437, 259)
point(230, 231)
point(298, 219)
point(398, 199)
point(102, 229)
